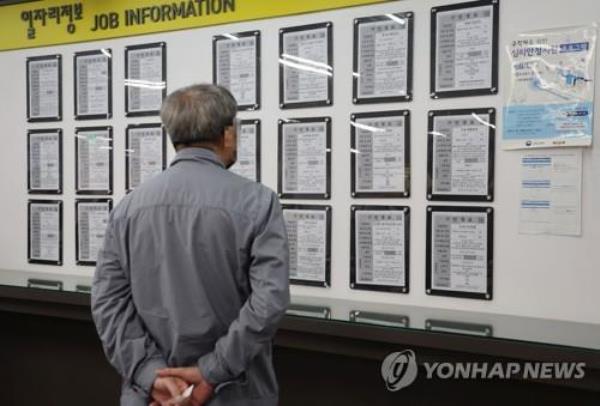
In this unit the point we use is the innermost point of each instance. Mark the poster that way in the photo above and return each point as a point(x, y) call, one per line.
point(146, 153)
point(44, 161)
point(236, 66)
point(93, 160)
point(383, 58)
point(551, 97)
point(309, 234)
point(380, 150)
point(459, 251)
point(145, 78)
point(92, 219)
point(464, 43)
point(44, 88)
point(379, 251)
point(305, 66)
point(45, 232)
point(460, 161)
point(248, 152)
point(304, 158)
point(93, 84)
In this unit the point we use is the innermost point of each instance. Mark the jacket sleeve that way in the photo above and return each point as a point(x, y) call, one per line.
point(269, 298)
point(127, 344)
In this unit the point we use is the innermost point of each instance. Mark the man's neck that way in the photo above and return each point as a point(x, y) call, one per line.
point(204, 145)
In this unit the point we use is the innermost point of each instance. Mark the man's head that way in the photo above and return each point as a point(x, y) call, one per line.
point(202, 116)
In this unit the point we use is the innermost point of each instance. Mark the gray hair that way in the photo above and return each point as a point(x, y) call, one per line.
point(198, 113)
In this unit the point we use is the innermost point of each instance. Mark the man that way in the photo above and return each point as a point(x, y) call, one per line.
point(193, 274)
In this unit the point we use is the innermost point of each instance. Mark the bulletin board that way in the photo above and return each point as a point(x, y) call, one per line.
point(544, 276)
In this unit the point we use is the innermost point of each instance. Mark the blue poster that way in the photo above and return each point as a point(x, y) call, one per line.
point(551, 99)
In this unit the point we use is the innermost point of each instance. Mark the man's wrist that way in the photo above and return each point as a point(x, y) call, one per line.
point(146, 374)
point(215, 373)
point(211, 370)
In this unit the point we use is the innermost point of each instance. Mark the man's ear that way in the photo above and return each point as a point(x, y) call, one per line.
point(229, 139)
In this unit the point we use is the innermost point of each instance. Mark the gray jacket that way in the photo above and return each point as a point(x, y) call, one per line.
point(194, 271)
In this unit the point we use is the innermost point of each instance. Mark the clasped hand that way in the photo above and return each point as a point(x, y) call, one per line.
point(171, 383)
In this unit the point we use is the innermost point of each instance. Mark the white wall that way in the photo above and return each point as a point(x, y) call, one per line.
point(538, 276)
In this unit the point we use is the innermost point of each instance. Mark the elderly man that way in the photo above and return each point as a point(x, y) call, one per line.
point(193, 276)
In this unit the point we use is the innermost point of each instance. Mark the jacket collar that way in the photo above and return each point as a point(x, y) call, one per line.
point(199, 155)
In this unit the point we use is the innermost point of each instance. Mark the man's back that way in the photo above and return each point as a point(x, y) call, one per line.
point(195, 242)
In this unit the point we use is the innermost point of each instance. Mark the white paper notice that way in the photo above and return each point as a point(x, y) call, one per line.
point(459, 251)
point(92, 81)
point(380, 251)
point(307, 233)
point(380, 154)
point(145, 154)
point(236, 68)
point(44, 88)
point(93, 160)
point(92, 219)
point(247, 159)
point(44, 235)
point(460, 155)
point(144, 79)
point(305, 158)
point(44, 161)
point(464, 49)
point(382, 58)
point(305, 66)
point(551, 192)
